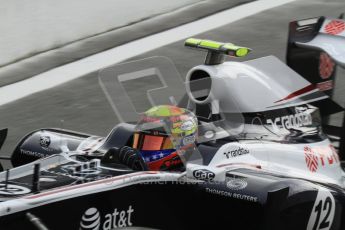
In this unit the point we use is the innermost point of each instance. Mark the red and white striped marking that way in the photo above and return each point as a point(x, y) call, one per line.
point(305, 90)
point(311, 159)
point(326, 66)
point(335, 27)
point(324, 86)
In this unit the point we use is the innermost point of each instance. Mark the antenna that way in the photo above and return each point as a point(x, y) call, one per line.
point(7, 178)
point(36, 179)
point(216, 51)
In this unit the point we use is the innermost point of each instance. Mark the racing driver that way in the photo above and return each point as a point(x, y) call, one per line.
point(165, 137)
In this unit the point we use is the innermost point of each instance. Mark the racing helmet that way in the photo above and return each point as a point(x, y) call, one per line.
point(164, 136)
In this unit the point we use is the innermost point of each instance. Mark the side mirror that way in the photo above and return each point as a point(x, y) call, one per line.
point(205, 173)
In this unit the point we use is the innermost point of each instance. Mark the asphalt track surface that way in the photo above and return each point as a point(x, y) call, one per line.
point(81, 104)
point(28, 66)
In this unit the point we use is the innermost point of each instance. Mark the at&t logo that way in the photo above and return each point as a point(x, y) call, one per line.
point(91, 219)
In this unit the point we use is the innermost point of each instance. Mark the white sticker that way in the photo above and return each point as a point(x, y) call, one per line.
point(322, 214)
point(236, 184)
point(187, 125)
point(13, 190)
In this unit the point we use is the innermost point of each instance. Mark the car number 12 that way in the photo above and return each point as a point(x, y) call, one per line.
point(322, 214)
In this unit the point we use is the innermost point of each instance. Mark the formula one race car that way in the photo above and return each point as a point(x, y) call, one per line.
point(260, 160)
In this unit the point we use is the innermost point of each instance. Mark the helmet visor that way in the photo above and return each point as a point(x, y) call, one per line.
point(149, 142)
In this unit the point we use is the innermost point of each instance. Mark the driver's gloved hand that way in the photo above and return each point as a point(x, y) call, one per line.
point(126, 156)
point(132, 158)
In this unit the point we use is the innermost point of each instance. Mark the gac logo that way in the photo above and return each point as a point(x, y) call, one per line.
point(204, 174)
